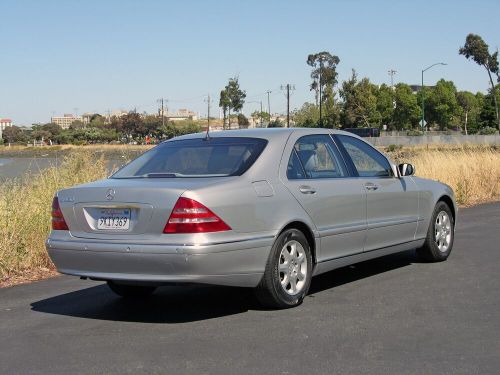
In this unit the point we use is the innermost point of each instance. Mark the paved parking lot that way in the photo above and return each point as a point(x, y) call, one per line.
point(393, 315)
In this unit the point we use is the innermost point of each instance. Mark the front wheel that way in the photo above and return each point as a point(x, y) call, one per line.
point(131, 291)
point(288, 272)
point(439, 242)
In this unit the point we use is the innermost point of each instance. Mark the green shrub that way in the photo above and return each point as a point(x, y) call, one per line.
point(487, 131)
point(393, 148)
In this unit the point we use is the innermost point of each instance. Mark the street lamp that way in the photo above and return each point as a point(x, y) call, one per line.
point(423, 91)
point(260, 115)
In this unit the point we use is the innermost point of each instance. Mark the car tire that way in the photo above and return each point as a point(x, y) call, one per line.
point(440, 235)
point(288, 272)
point(131, 291)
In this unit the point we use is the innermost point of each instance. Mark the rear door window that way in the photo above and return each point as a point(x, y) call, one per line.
point(214, 157)
point(315, 156)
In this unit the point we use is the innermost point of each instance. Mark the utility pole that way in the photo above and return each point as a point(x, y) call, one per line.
point(288, 87)
point(160, 101)
point(208, 110)
point(320, 93)
point(261, 113)
point(268, 105)
point(392, 72)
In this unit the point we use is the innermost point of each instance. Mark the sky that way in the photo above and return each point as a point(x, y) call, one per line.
point(93, 56)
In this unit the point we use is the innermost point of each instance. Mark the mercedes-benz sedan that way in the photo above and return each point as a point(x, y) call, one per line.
point(263, 208)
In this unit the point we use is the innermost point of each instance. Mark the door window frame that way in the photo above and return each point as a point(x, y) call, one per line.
point(351, 164)
point(340, 156)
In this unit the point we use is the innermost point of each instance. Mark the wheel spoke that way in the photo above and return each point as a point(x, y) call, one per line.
point(301, 259)
point(283, 267)
point(293, 284)
point(286, 254)
point(285, 281)
point(300, 275)
point(293, 252)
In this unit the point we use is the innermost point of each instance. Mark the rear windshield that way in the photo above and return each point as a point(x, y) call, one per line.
point(200, 157)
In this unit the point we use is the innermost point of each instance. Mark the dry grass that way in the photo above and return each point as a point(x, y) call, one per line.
point(472, 171)
point(25, 207)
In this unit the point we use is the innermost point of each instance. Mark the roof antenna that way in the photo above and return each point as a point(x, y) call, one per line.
point(207, 135)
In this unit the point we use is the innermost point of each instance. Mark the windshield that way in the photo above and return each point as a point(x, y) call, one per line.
point(200, 157)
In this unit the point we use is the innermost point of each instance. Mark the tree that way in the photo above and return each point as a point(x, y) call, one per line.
point(97, 121)
point(235, 96)
point(225, 104)
point(469, 104)
point(385, 104)
point(77, 124)
point(133, 125)
point(475, 48)
point(487, 115)
point(52, 128)
point(307, 116)
point(260, 116)
point(441, 104)
point(324, 76)
point(406, 111)
point(359, 103)
point(13, 134)
point(242, 120)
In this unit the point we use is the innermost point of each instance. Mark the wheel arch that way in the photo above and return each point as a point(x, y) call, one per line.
point(447, 199)
point(308, 233)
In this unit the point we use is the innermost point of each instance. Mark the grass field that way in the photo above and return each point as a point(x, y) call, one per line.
point(473, 173)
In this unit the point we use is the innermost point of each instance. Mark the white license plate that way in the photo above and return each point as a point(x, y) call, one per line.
point(113, 219)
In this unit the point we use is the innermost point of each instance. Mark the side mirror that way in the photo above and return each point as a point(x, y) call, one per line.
point(406, 169)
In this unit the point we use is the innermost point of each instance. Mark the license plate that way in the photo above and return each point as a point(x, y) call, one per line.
point(113, 219)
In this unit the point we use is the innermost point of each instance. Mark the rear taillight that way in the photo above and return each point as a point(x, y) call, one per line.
point(58, 222)
point(190, 216)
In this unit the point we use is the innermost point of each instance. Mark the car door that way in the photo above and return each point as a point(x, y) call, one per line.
point(319, 179)
point(392, 202)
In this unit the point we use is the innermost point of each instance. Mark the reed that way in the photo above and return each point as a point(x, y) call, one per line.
point(26, 204)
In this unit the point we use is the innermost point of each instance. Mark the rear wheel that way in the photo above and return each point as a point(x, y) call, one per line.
point(288, 271)
point(439, 242)
point(134, 291)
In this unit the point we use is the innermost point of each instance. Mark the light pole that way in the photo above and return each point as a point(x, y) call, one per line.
point(423, 91)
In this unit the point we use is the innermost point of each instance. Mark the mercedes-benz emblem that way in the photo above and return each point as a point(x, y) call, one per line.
point(110, 194)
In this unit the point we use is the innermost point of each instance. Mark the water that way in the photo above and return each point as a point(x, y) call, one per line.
point(17, 167)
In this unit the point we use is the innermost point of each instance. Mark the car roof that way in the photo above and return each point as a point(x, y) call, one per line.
point(265, 133)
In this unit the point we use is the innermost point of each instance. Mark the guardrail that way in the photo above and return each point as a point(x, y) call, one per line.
point(435, 139)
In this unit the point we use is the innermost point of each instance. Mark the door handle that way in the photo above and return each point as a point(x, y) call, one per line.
point(304, 189)
point(371, 186)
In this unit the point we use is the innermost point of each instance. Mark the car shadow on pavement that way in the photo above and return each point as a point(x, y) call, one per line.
point(189, 303)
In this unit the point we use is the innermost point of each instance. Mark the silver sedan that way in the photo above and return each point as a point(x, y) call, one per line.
point(262, 208)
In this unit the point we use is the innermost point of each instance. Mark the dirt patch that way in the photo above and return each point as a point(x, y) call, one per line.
point(28, 276)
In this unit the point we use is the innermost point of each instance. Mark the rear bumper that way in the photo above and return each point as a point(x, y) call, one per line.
point(237, 263)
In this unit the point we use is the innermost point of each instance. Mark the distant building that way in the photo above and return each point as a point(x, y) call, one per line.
point(181, 114)
point(86, 117)
point(4, 122)
point(66, 120)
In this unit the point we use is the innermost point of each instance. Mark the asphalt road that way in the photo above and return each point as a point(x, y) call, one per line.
point(393, 315)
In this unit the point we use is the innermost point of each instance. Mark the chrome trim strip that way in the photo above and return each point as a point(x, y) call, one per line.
point(390, 222)
point(107, 242)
